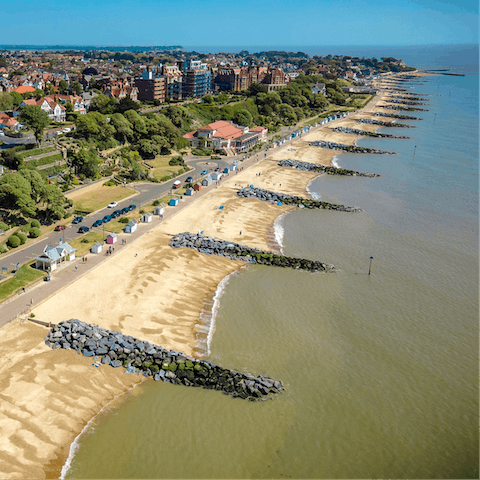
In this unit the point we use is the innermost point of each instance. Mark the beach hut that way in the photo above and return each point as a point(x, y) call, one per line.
point(226, 170)
point(147, 217)
point(131, 226)
point(216, 175)
point(174, 202)
point(197, 187)
point(233, 167)
point(158, 210)
point(112, 238)
point(189, 191)
point(97, 247)
point(207, 181)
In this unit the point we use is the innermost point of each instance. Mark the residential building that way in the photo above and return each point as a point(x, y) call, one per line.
point(150, 89)
point(197, 79)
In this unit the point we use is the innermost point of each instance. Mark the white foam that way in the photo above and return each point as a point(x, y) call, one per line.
point(314, 195)
point(279, 231)
point(75, 445)
point(335, 161)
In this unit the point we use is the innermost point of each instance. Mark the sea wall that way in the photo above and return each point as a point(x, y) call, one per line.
point(138, 356)
point(277, 197)
point(235, 251)
point(348, 148)
point(313, 167)
point(365, 133)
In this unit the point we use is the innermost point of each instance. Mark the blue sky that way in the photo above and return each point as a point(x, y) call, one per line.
point(240, 23)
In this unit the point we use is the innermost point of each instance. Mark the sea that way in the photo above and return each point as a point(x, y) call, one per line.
point(381, 370)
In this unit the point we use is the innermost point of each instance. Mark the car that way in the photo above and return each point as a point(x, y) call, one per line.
point(83, 229)
point(132, 207)
point(204, 172)
point(97, 223)
point(189, 180)
point(66, 130)
point(125, 210)
point(77, 219)
point(112, 205)
point(117, 213)
point(47, 278)
point(60, 227)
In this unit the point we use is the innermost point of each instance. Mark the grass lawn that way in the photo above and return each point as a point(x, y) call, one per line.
point(25, 276)
point(101, 197)
point(83, 246)
point(161, 168)
point(116, 227)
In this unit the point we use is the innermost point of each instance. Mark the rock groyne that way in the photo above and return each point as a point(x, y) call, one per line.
point(371, 121)
point(396, 115)
point(403, 108)
point(138, 356)
point(313, 167)
point(365, 133)
point(349, 148)
point(235, 251)
point(282, 198)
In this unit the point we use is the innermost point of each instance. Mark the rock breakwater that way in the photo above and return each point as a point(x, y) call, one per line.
point(405, 102)
point(313, 167)
point(235, 251)
point(365, 133)
point(372, 121)
point(276, 197)
point(349, 148)
point(403, 108)
point(138, 356)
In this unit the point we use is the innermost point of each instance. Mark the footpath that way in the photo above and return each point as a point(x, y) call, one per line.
point(20, 305)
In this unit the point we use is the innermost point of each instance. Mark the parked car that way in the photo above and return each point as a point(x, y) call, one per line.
point(83, 229)
point(106, 218)
point(66, 130)
point(60, 227)
point(204, 172)
point(189, 180)
point(112, 205)
point(47, 278)
point(125, 210)
point(132, 207)
point(97, 223)
point(77, 219)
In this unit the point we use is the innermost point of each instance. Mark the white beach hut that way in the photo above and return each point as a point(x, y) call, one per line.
point(147, 217)
point(97, 247)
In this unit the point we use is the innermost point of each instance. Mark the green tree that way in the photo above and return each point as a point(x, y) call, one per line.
point(63, 86)
point(123, 128)
point(287, 113)
point(22, 237)
point(127, 103)
point(76, 88)
point(94, 126)
point(11, 160)
point(35, 118)
point(103, 104)
point(243, 117)
point(34, 232)
point(17, 99)
point(37, 183)
point(15, 193)
point(68, 107)
point(85, 162)
point(13, 241)
point(207, 99)
point(6, 101)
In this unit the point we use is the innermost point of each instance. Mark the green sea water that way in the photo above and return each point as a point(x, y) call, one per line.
point(380, 371)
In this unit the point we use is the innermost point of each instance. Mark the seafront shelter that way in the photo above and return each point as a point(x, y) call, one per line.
point(52, 257)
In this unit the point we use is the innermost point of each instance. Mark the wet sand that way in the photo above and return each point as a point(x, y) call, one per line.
point(147, 290)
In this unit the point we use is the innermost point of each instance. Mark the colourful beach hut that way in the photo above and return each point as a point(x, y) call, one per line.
point(197, 187)
point(174, 202)
point(97, 247)
point(112, 238)
point(131, 226)
point(207, 181)
point(189, 191)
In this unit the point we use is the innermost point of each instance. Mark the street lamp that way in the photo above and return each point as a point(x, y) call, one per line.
point(370, 267)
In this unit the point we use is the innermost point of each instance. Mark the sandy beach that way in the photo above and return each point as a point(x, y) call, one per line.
point(147, 290)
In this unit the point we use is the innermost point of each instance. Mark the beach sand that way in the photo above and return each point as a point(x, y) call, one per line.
point(147, 290)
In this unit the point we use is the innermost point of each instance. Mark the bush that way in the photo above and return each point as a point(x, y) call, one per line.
point(156, 202)
point(26, 228)
point(13, 241)
point(177, 161)
point(3, 249)
point(34, 232)
point(4, 226)
point(34, 223)
point(142, 211)
point(110, 183)
point(124, 220)
point(22, 237)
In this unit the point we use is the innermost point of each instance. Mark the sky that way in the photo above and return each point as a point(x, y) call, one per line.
point(245, 23)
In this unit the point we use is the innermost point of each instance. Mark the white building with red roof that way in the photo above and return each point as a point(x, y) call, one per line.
point(227, 136)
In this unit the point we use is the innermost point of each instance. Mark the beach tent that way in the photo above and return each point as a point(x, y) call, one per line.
point(174, 202)
point(207, 181)
point(97, 247)
point(131, 226)
point(197, 187)
point(147, 217)
point(158, 210)
point(112, 238)
point(189, 191)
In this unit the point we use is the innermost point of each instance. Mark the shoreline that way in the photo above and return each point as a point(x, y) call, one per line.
point(175, 274)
